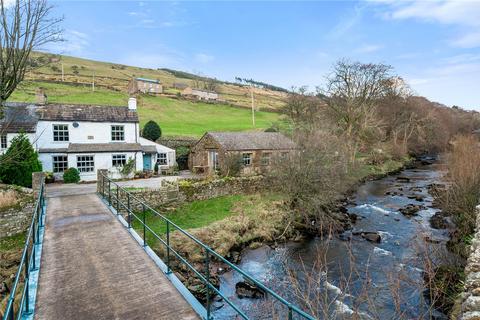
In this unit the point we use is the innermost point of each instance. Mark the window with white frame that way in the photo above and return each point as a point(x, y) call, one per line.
point(162, 159)
point(266, 158)
point(119, 160)
point(118, 133)
point(60, 163)
point(3, 142)
point(60, 132)
point(247, 159)
point(85, 163)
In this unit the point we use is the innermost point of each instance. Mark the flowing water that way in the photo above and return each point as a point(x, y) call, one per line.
point(352, 275)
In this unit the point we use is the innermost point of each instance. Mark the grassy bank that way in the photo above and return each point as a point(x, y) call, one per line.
point(176, 117)
point(10, 254)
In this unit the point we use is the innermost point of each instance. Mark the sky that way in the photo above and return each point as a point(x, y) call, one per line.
point(433, 45)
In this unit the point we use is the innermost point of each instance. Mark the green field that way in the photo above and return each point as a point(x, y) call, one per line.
point(176, 117)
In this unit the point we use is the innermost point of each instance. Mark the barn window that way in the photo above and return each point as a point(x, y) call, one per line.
point(247, 159)
point(162, 159)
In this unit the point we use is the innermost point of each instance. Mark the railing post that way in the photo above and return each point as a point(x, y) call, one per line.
point(144, 226)
point(207, 276)
point(290, 313)
point(168, 248)
point(27, 275)
point(129, 210)
point(118, 204)
point(109, 193)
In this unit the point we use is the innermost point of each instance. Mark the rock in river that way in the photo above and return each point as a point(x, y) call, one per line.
point(246, 289)
point(411, 209)
point(372, 236)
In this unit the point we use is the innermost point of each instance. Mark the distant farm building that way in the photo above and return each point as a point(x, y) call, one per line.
point(180, 85)
point(142, 85)
point(200, 94)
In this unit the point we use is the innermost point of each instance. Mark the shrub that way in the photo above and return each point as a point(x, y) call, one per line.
point(233, 165)
point(71, 175)
point(19, 162)
point(49, 177)
point(128, 167)
point(271, 129)
point(151, 131)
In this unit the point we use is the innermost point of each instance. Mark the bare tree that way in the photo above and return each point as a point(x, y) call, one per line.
point(352, 93)
point(26, 25)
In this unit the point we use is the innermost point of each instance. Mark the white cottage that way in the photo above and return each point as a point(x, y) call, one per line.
point(85, 137)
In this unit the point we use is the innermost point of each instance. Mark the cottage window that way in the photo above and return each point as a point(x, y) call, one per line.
point(60, 163)
point(162, 159)
point(247, 159)
point(60, 132)
point(266, 158)
point(119, 160)
point(118, 133)
point(85, 163)
point(3, 142)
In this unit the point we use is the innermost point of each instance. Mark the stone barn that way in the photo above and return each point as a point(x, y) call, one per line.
point(251, 152)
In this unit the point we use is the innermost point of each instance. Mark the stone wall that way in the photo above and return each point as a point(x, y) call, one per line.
point(16, 218)
point(468, 306)
point(189, 190)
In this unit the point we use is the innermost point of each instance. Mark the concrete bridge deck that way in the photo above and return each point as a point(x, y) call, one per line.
point(93, 269)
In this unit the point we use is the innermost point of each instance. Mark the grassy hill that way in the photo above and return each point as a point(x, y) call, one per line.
point(116, 77)
point(176, 116)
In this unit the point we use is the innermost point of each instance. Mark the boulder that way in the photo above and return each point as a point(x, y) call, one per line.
point(411, 209)
point(246, 289)
point(372, 236)
point(438, 221)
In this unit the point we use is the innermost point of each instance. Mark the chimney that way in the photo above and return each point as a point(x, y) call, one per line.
point(132, 104)
point(40, 97)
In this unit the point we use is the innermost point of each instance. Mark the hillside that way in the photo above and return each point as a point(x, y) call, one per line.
point(116, 76)
point(176, 116)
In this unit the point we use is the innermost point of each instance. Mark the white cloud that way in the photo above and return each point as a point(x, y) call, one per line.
point(368, 48)
point(204, 58)
point(74, 43)
point(463, 14)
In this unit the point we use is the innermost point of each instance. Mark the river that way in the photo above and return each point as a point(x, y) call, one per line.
point(346, 275)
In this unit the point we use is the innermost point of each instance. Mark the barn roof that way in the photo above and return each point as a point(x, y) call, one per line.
point(238, 141)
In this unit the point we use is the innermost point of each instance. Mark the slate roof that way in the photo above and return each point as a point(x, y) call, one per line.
point(238, 141)
point(24, 116)
point(149, 149)
point(95, 147)
point(18, 118)
point(64, 112)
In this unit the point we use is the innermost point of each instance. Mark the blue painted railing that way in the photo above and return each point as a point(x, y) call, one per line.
point(122, 200)
point(22, 307)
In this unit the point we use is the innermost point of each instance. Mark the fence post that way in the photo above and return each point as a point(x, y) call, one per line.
point(168, 248)
point(109, 193)
point(207, 276)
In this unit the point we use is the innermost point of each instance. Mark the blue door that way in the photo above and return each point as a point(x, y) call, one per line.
point(147, 161)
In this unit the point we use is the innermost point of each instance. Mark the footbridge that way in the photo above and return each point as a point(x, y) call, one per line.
point(91, 254)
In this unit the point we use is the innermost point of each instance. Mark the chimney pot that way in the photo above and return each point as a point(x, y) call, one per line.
point(132, 104)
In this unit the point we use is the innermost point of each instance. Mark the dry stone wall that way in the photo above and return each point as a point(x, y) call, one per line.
point(469, 303)
point(15, 219)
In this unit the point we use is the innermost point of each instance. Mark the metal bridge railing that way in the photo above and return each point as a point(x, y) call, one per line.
point(136, 210)
point(18, 307)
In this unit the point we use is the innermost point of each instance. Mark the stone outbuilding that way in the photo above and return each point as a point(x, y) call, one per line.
point(251, 152)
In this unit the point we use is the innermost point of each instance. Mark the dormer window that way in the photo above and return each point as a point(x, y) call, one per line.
point(60, 132)
point(118, 133)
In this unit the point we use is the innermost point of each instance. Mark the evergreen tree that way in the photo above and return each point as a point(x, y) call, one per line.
point(19, 162)
point(152, 131)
